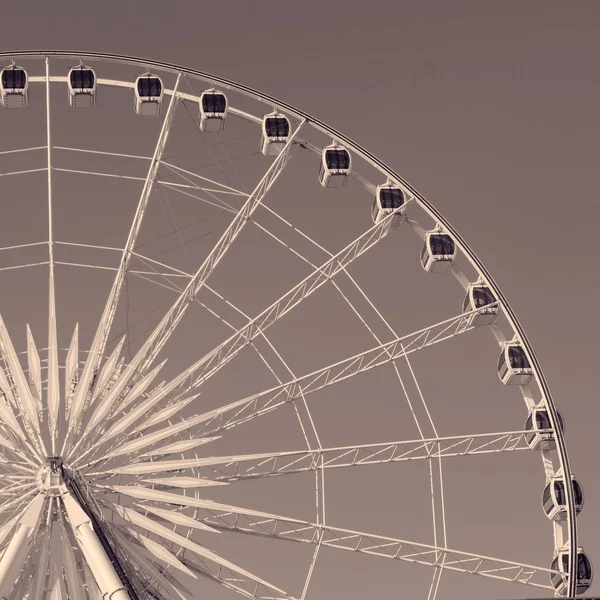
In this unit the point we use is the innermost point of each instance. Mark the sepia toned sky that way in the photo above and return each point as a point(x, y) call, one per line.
point(490, 109)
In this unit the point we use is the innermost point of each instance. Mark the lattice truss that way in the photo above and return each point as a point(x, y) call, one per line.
point(117, 473)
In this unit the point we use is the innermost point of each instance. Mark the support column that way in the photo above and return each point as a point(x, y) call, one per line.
point(100, 565)
point(14, 557)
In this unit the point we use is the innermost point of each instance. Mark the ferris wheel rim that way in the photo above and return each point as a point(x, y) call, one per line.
point(423, 203)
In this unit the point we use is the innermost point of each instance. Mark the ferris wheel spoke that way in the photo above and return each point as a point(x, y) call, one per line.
point(250, 466)
point(125, 449)
point(71, 370)
point(204, 562)
point(254, 406)
point(382, 546)
point(233, 580)
point(158, 338)
point(21, 544)
point(167, 326)
point(162, 585)
point(20, 446)
point(21, 393)
point(42, 578)
point(228, 578)
point(437, 496)
point(137, 520)
point(101, 337)
point(217, 358)
point(73, 569)
point(159, 552)
point(53, 393)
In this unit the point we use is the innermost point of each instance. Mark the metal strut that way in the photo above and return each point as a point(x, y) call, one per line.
point(98, 529)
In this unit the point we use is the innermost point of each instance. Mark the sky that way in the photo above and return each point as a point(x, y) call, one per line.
point(488, 109)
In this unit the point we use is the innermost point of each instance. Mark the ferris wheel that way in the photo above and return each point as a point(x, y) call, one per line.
point(242, 357)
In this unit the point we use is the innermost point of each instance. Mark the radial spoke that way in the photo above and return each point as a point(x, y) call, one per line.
point(155, 576)
point(20, 545)
point(101, 337)
point(21, 392)
point(71, 370)
point(383, 546)
point(168, 324)
point(146, 523)
point(120, 458)
point(217, 358)
point(254, 406)
point(233, 580)
point(249, 466)
point(53, 392)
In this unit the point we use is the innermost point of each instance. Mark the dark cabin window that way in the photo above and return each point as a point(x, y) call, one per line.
point(517, 358)
point(213, 103)
point(441, 244)
point(277, 127)
point(149, 87)
point(391, 198)
point(482, 297)
point(584, 570)
point(541, 419)
point(577, 492)
point(82, 79)
point(559, 493)
point(337, 159)
point(14, 79)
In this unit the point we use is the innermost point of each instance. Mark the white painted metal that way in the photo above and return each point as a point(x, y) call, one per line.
point(334, 173)
point(250, 466)
point(53, 381)
point(378, 545)
point(212, 119)
point(15, 94)
point(71, 371)
point(148, 103)
point(13, 559)
point(103, 571)
point(162, 332)
point(117, 396)
point(35, 369)
point(83, 93)
point(100, 339)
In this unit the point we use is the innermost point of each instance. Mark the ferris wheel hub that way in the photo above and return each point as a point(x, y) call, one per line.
point(49, 477)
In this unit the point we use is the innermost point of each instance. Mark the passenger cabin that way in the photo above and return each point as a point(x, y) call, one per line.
point(81, 82)
point(148, 97)
point(14, 87)
point(560, 580)
point(479, 296)
point(335, 166)
point(513, 365)
point(213, 109)
point(388, 198)
point(275, 133)
point(554, 498)
point(540, 436)
point(438, 252)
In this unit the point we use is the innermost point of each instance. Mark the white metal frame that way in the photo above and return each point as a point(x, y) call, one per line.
point(130, 382)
